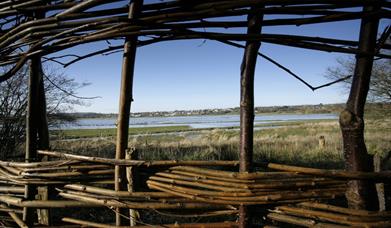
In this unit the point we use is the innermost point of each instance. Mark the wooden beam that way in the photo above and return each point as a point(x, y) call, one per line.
point(43, 144)
point(37, 132)
point(247, 106)
point(131, 176)
point(360, 194)
point(126, 98)
point(31, 131)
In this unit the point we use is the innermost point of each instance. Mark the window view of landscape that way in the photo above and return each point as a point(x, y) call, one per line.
point(195, 114)
point(290, 135)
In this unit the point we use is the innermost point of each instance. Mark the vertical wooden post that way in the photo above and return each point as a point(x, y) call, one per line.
point(29, 215)
point(378, 167)
point(37, 132)
point(247, 106)
point(131, 176)
point(43, 129)
point(43, 144)
point(360, 194)
point(126, 98)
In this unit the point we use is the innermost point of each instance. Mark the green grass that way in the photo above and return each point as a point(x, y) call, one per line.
point(110, 132)
point(291, 123)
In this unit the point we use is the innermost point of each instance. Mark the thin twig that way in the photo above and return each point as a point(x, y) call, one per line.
point(286, 69)
point(69, 93)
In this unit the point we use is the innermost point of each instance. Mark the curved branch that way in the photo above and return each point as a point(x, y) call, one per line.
point(288, 70)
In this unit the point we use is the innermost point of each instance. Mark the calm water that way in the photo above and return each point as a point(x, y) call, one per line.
point(193, 121)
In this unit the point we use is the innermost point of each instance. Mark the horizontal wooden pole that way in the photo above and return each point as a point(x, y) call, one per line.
point(126, 162)
point(343, 210)
point(138, 205)
point(375, 176)
point(104, 191)
point(177, 225)
point(18, 202)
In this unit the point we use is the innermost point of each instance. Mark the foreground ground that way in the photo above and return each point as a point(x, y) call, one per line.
point(296, 143)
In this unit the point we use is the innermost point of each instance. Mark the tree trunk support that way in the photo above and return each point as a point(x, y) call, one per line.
point(32, 116)
point(360, 194)
point(126, 98)
point(380, 187)
point(131, 176)
point(43, 144)
point(247, 106)
point(37, 133)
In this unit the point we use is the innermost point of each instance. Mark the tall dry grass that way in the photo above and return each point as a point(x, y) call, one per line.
point(297, 144)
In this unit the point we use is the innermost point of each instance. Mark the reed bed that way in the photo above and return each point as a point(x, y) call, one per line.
point(296, 144)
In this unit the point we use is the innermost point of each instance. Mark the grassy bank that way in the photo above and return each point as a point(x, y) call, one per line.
point(111, 132)
point(295, 143)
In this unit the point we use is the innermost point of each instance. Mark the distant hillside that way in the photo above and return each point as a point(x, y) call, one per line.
point(296, 109)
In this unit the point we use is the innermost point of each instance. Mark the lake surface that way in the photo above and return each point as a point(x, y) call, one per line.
point(205, 121)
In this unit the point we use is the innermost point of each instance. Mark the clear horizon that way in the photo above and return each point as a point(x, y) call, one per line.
point(205, 108)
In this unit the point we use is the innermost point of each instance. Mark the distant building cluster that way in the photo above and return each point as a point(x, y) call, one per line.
point(186, 112)
point(298, 109)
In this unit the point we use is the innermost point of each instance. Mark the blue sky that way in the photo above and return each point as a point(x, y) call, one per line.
point(194, 74)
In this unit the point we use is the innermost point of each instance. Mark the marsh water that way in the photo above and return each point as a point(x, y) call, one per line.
point(202, 121)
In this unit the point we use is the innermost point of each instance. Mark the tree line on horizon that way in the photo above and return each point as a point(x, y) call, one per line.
point(298, 109)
